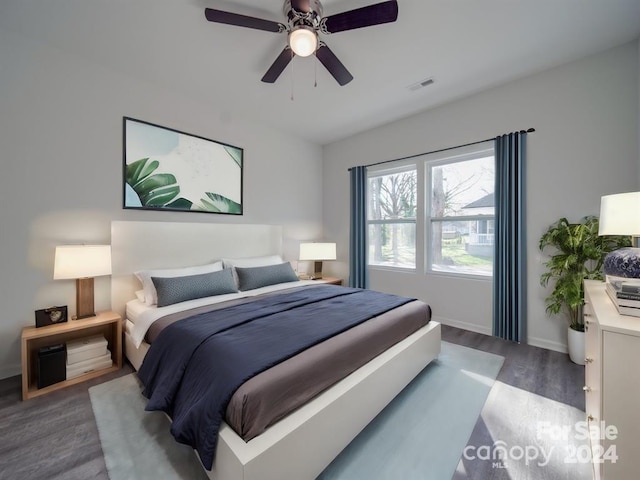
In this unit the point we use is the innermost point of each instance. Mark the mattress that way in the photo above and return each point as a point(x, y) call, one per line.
point(271, 395)
point(134, 309)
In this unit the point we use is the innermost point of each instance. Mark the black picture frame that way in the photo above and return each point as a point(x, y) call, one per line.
point(51, 316)
point(170, 170)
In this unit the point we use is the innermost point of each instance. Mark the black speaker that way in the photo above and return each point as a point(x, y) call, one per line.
point(51, 365)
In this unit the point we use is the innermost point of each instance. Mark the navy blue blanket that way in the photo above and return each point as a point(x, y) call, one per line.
point(195, 365)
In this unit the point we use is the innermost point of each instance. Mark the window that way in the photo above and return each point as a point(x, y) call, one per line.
point(460, 215)
point(392, 208)
point(434, 213)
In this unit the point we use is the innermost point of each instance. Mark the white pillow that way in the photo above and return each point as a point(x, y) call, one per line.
point(140, 295)
point(150, 294)
point(250, 262)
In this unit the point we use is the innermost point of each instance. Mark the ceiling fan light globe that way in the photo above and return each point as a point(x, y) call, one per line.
point(303, 41)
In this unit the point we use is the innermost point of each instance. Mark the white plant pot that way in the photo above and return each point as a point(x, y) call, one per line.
point(576, 346)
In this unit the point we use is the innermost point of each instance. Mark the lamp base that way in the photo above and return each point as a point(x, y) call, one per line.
point(317, 274)
point(84, 298)
point(624, 262)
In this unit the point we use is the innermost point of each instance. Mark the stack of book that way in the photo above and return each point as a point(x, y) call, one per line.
point(86, 355)
point(625, 296)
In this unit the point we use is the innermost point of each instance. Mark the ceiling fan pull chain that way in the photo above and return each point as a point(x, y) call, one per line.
point(292, 67)
point(315, 72)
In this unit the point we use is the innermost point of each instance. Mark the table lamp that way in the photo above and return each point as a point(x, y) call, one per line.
point(620, 215)
point(317, 252)
point(82, 262)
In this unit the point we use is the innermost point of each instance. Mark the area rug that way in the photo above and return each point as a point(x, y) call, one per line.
point(419, 436)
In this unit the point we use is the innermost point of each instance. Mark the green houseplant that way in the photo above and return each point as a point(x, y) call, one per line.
point(579, 254)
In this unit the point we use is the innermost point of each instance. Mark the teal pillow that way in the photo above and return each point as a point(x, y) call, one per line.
point(256, 277)
point(180, 289)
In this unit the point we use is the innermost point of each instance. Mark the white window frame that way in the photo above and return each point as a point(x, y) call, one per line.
point(449, 157)
point(422, 164)
point(400, 167)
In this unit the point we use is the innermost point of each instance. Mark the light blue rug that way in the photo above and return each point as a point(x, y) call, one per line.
point(419, 436)
point(137, 444)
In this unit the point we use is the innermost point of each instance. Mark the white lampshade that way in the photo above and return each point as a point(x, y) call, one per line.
point(81, 261)
point(317, 251)
point(303, 41)
point(620, 214)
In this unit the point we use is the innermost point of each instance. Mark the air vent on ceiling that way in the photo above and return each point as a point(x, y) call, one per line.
point(421, 84)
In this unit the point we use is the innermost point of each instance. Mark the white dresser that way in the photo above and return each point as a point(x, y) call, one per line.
point(612, 384)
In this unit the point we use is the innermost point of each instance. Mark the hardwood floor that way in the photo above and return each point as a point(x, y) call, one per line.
point(542, 372)
point(54, 437)
point(535, 387)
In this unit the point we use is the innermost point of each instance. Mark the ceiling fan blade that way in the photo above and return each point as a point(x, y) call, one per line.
point(278, 66)
point(229, 18)
point(335, 67)
point(377, 14)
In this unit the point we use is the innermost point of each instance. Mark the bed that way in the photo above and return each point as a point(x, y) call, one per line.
point(301, 443)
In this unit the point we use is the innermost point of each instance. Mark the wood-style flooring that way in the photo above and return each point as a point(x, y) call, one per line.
point(54, 437)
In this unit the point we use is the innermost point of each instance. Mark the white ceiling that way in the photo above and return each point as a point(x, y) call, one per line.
point(465, 45)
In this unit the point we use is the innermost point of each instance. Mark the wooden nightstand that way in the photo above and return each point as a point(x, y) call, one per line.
point(330, 280)
point(106, 323)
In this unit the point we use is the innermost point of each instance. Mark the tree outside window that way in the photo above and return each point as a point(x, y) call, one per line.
point(457, 215)
point(392, 218)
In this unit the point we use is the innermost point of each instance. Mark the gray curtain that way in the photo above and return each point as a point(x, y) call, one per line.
point(358, 254)
point(509, 265)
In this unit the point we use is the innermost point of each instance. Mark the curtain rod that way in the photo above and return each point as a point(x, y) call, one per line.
point(529, 130)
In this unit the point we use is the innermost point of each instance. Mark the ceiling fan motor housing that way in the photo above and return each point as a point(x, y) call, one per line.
point(303, 12)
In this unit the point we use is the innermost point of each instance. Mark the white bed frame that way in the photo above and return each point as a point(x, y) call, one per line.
point(301, 445)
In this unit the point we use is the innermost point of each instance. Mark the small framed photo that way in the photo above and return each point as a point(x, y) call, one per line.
point(51, 316)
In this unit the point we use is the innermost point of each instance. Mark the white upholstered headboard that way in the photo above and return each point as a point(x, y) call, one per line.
point(143, 245)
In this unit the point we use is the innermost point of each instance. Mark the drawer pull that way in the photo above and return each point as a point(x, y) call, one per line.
point(586, 388)
point(588, 360)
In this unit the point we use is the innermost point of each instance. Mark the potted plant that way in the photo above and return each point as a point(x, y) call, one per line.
point(578, 255)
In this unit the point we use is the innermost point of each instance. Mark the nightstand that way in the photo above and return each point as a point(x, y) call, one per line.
point(329, 280)
point(106, 323)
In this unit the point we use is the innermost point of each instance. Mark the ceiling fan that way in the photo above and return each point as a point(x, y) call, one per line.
point(304, 23)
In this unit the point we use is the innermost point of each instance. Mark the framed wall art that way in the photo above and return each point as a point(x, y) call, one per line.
point(165, 169)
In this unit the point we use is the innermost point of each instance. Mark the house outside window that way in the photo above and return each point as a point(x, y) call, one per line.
point(434, 213)
point(461, 215)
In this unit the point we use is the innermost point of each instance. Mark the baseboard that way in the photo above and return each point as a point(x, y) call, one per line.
point(549, 345)
point(472, 327)
point(10, 371)
point(534, 342)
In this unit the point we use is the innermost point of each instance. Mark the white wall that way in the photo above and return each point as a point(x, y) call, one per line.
point(586, 145)
point(61, 177)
